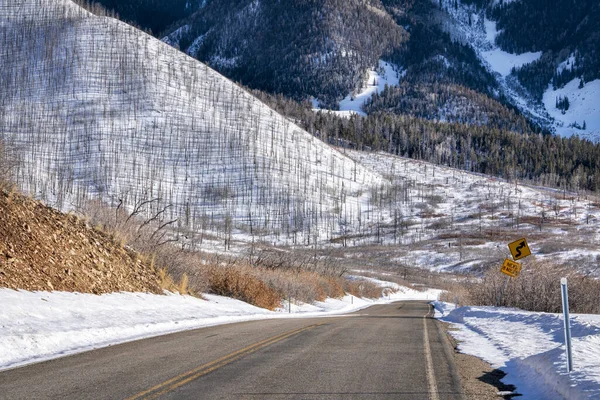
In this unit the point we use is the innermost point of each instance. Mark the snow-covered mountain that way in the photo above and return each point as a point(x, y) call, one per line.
point(474, 24)
point(99, 109)
point(323, 48)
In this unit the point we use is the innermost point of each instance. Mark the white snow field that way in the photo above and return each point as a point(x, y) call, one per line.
point(37, 326)
point(99, 109)
point(469, 25)
point(584, 106)
point(385, 74)
point(501, 61)
point(529, 348)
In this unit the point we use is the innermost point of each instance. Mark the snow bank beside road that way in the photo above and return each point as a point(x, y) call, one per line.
point(528, 346)
point(37, 326)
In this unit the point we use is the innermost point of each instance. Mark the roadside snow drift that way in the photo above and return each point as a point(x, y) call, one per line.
point(37, 326)
point(529, 347)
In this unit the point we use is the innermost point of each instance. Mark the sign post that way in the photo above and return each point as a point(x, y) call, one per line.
point(519, 249)
point(564, 291)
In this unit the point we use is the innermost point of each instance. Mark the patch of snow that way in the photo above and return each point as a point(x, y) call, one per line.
point(377, 79)
point(503, 2)
point(443, 59)
point(490, 30)
point(193, 48)
point(174, 37)
point(567, 64)
point(503, 62)
point(223, 61)
point(584, 105)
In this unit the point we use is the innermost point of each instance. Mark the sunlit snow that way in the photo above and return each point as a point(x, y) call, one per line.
point(36, 326)
point(584, 106)
point(529, 347)
point(385, 75)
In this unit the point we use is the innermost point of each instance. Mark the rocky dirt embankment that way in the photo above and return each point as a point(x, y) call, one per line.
point(43, 249)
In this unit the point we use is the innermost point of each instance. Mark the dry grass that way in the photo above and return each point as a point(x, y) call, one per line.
point(265, 278)
point(362, 288)
point(537, 288)
point(241, 283)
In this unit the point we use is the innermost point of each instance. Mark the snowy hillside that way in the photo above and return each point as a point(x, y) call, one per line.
point(470, 25)
point(98, 109)
point(446, 219)
point(583, 115)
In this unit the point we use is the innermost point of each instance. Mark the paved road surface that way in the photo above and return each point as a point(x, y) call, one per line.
point(378, 353)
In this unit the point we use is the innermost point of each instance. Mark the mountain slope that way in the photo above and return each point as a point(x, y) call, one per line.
point(536, 70)
point(308, 48)
point(99, 109)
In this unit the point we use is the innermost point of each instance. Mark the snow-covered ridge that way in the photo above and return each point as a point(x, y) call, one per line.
point(100, 109)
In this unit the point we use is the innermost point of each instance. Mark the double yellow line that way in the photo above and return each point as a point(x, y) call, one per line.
point(186, 377)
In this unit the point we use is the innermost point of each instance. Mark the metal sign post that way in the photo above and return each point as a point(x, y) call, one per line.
point(519, 249)
point(564, 291)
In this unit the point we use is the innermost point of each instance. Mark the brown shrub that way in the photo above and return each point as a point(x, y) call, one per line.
point(263, 279)
point(241, 283)
point(363, 288)
point(537, 288)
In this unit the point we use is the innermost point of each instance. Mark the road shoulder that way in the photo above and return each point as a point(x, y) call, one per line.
point(479, 380)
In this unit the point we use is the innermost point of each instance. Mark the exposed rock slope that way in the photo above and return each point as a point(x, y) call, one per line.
point(43, 249)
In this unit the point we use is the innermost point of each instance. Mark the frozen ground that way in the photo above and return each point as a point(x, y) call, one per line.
point(37, 326)
point(386, 74)
point(528, 347)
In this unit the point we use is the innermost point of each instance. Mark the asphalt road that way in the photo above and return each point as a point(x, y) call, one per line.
point(384, 352)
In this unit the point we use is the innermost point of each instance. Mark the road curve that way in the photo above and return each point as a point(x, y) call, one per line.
point(394, 351)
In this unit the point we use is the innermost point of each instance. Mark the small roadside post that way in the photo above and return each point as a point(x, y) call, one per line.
point(564, 291)
point(512, 269)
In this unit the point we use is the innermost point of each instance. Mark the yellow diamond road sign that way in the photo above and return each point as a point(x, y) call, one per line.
point(511, 268)
point(519, 249)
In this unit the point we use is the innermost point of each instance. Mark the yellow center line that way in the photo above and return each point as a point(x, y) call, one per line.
point(195, 373)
